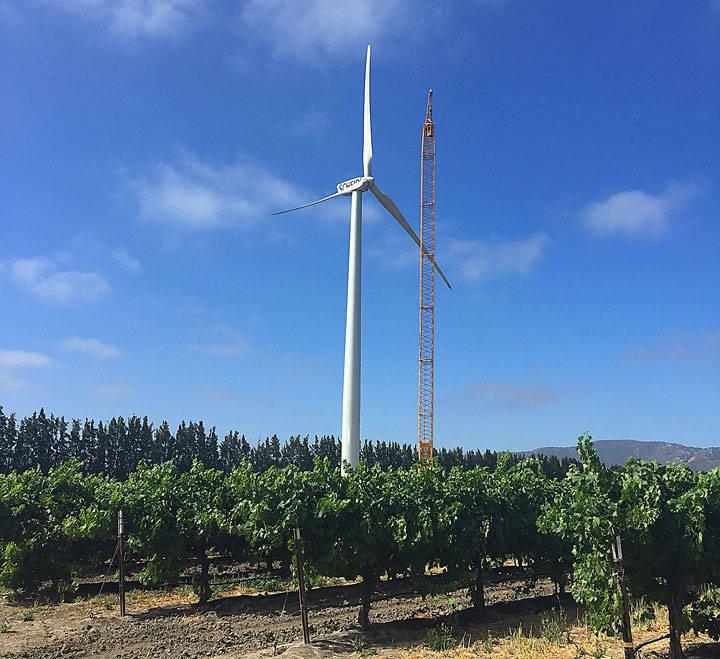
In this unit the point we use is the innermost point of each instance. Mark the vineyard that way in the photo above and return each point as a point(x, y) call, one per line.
point(430, 530)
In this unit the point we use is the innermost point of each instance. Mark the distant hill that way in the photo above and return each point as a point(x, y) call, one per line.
point(617, 451)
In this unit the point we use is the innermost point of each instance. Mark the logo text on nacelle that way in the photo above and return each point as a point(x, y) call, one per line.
point(346, 187)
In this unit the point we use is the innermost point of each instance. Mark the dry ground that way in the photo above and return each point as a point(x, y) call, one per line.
point(403, 626)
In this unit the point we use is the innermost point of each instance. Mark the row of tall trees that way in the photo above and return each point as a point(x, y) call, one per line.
point(116, 447)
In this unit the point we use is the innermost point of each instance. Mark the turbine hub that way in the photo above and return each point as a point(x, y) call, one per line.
point(360, 183)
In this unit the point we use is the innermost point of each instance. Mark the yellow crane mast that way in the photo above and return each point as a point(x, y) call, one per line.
point(427, 287)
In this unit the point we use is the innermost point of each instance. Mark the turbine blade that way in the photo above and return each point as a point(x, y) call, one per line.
point(312, 203)
point(391, 208)
point(367, 128)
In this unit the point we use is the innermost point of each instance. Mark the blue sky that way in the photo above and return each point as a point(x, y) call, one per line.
point(145, 144)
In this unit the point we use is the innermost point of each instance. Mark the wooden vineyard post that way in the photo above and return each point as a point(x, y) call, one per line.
point(301, 586)
point(619, 564)
point(121, 561)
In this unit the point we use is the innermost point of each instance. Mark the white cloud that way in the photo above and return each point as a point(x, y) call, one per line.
point(478, 260)
point(471, 261)
point(134, 19)
point(111, 390)
point(637, 213)
point(506, 395)
point(23, 359)
point(193, 195)
point(321, 29)
point(9, 382)
point(122, 256)
point(19, 359)
point(90, 347)
point(41, 277)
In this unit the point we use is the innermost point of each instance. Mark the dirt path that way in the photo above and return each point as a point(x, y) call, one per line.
point(267, 625)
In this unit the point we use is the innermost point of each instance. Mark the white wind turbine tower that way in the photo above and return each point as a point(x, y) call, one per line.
point(354, 188)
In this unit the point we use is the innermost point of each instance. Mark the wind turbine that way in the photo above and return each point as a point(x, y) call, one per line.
point(354, 188)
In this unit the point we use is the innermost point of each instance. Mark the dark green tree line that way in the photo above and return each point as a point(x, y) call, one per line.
point(117, 446)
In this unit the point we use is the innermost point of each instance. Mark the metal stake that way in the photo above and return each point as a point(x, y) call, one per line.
point(121, 561)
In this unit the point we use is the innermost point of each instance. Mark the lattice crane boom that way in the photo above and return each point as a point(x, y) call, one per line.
point(427, 287)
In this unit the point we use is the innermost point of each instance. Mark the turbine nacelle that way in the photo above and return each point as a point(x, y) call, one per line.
point(359, 184)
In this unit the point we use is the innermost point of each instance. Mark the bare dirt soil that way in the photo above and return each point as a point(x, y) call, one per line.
point(259, 626)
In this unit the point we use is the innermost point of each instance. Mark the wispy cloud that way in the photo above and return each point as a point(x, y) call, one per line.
point(478, 260)
point(506, 395)
point(43, 278)
point(316, 30)
point(636, 213)
point(221, 340)
point(235, 348)
point(472, 261)
point(686, 347)
point(122, 256)
point(313, 123)
point(10, 359)
point(395, 248)
point(208, 336)
point(9, 382)
point(221, 395)
point(193, 195)
point(110, 390)
point(91, 347)
point(136, 19)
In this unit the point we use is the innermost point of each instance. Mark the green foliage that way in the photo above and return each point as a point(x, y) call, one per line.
point(108, 601)
point(440, 638)
point(486, 641)
point(269, 583)
point(175, 519)
point(33, 543)
point(375, 523)
point(703, 616)
point(359, 646)
point(152, 499)
point(642, 614)
point(553, 626)
point(470, 528)
point(584, 511)
point(667, 518)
